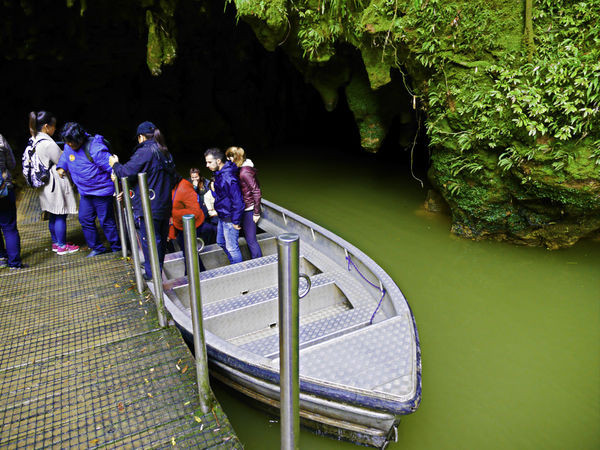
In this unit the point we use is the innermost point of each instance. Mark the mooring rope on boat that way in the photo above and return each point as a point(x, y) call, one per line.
point(379, 288)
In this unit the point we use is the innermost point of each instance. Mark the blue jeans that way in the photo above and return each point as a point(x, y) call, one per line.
point(8, 226)
point(249, 228)
point(161, 231)
point(227, 238)
point(57, 223)
point(92, 206)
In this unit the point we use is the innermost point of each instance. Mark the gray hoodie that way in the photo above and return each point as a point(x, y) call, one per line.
point(7, 159)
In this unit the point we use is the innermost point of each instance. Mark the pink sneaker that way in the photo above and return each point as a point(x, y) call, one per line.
point(67, 249)
point(55, 248)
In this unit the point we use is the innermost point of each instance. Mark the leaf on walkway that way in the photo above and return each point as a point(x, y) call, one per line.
point(120, 406)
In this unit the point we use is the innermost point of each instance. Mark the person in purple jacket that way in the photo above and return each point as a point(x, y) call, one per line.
point(86, 157)
point(229, 203)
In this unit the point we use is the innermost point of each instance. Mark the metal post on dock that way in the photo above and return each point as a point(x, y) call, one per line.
point(193, 270)
point(152, 249)
point(132, 236)
point(122, 233)
point(289, 325)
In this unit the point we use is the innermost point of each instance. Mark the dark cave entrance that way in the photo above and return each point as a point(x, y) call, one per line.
point(223, 89)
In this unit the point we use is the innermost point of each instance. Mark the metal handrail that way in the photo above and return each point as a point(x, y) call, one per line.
point(191, 255)
point(288, 254)
point(132, 235)
point(152, 249)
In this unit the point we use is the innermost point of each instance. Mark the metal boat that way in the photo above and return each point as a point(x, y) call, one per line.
point(360, 361)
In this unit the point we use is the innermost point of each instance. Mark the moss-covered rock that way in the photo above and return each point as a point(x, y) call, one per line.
point(511, 92)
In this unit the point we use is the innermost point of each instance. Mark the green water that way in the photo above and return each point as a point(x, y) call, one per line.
point(510, 336)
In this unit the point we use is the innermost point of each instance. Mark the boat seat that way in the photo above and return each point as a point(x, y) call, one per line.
point(254, 298)
point(312, 332)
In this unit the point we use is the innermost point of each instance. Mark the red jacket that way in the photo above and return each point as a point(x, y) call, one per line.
point(185, 201)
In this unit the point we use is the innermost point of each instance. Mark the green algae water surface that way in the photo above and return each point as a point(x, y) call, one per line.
point(510, 336)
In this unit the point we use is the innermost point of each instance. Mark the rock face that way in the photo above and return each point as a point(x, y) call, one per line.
point(509, 94)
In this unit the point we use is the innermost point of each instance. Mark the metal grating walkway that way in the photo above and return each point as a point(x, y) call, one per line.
point(83, 361)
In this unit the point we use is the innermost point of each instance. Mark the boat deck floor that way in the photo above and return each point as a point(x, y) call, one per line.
point(83, 361)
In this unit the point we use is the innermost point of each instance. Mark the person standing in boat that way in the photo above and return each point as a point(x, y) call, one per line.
point(208, 229)
point(10, 240)
point(229, 203)
point(185, 201)
point(57, 197)
point(86, 157)
point(251, 193)
point(151, 156)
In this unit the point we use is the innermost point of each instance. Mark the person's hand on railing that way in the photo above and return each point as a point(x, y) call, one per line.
point(112, 159)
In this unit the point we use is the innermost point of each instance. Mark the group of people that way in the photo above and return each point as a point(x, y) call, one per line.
point(222, 206)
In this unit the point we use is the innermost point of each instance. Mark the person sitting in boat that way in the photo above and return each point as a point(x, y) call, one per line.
point(229, 203)
point(252, 195)
point(208, 229)
point(152, 156)
point(185, 201)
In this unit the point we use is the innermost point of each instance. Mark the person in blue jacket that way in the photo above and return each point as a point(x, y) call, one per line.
point(229, 203)
point(151, 156)
point(86, 157)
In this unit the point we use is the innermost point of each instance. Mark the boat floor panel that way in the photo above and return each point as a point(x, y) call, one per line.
point(380, 361)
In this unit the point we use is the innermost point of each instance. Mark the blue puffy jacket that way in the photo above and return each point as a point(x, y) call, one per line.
point(148, 158)
point(91, 178)
point(229, 202)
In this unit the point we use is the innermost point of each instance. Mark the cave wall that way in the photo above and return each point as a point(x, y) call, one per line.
point(509, 92)
point(98, 63)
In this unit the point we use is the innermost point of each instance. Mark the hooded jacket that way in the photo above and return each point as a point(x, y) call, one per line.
point(185, 201)
point(148, 158)
point(250, 187)
point(229, 203)
point(91, 178)
point(7, 159)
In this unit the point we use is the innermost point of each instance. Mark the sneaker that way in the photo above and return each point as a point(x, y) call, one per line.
point(19, 267)
point(55, 247)
point(67, 249)
point(3, 263)
point(97, 252)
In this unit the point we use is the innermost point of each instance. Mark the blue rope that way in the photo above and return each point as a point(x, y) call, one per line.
point(382, 290)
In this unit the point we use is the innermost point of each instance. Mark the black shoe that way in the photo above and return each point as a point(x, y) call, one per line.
point(146, 277)
point(19, 267)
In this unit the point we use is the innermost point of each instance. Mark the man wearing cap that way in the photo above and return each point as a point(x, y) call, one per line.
point(152, 157)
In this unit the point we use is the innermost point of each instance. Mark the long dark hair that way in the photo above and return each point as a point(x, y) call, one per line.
point(38, 120)
point(159, 139)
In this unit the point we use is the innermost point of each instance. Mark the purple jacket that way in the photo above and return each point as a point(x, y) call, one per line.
point(229, 203)
point(250, 187)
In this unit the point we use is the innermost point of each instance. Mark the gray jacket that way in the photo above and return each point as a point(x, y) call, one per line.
point(7, 158)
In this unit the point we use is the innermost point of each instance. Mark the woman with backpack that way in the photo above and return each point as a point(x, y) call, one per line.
point(151, 156)
point(57, 197)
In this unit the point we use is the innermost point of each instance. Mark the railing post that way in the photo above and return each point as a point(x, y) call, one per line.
point(122, 233)
point(132, 236)
point(288, 279)
point(152, 249)
point(191, 256)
